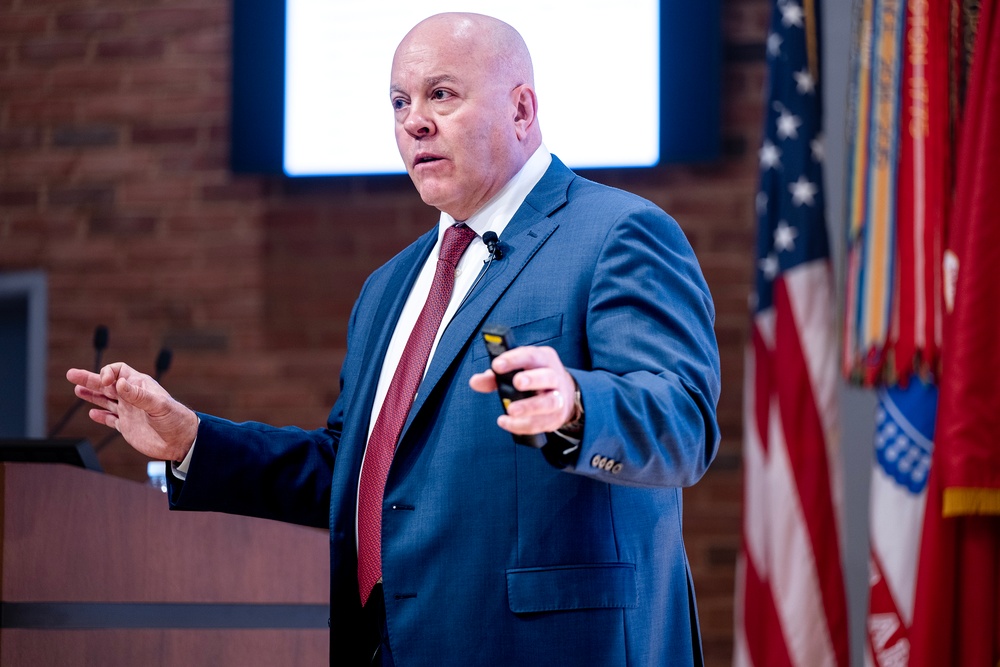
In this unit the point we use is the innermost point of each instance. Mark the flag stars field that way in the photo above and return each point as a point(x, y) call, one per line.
point(769, 266)
point(788, 124)
point(770, 155)
point(784, 237)
point(804, 82)
point(818, 150)
point(774, 44)
point(803, 191)
point(791, 14)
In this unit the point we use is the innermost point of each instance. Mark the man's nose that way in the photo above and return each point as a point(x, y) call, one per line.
point(418, 122)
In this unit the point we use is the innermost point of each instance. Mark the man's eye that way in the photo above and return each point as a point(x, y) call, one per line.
point(440, 94)
point(398, 103)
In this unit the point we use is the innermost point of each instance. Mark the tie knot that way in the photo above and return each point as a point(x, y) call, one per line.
point(456, 239)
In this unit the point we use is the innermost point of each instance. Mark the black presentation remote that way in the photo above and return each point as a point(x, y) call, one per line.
point(498, 340)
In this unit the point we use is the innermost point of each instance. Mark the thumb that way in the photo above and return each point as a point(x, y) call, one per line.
point(484, 382)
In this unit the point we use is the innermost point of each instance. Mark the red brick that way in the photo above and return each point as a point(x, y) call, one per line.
point(164, 135)
point(227, 224)
point(74, 196)
point(43, 51)
point(20, 137)
point(89, 19)
point(154, 110)
point(204, 43)
point(115, 107)
point(35, 165)
point(243, 190)
point(109, 165)
point(160, 191)
point(46, 225)
point(18, 253)
point(23, 24)
point(26, 111)
point(164, 77)
point(85, 78)
point(219, 133)
point(202, 108)
point(745, 21)
point(206, 161)
point(165, 21)
point(18, 197)
point(123, 224)
point(130, 47)
point(85, 135)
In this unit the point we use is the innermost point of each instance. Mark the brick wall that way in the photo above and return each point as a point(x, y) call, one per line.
point(113, 179)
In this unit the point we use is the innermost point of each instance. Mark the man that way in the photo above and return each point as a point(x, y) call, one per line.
point(471, 549)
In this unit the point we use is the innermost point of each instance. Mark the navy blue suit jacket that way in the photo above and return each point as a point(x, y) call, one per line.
point(490, 554)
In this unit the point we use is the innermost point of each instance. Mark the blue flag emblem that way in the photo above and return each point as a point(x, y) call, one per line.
point(904, 433)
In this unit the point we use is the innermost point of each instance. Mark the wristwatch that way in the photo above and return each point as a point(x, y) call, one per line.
point(574, 427)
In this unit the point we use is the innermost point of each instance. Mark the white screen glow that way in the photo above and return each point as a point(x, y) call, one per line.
point(596, 76)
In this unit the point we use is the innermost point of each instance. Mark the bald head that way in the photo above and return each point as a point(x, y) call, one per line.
point(482, 37)
point(462, 89)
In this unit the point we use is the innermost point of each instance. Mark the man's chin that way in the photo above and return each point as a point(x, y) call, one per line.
point(432, 196)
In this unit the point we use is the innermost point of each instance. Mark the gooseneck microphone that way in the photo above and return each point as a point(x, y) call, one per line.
point(163, 360)
point(100, 344)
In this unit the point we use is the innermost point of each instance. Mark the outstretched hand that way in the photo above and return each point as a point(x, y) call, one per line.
point(139, 408)
point(543, 373)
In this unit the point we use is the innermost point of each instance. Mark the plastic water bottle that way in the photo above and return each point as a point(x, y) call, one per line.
point(157, 473)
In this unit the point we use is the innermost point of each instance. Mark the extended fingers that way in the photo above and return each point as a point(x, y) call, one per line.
point(545, 403)
point(83, 378)
point(100, 400)
point(538, 379)
point(542, 413)
point(104, 417)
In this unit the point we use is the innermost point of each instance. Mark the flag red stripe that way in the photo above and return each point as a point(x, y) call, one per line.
point(761, 624)
point(881, 602)
point(802, 426)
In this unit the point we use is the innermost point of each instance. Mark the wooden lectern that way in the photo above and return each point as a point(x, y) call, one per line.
point(95, 570)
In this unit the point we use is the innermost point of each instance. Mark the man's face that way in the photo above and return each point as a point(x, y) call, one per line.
point(454, 120)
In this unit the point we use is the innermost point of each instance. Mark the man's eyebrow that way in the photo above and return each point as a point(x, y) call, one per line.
point(441, 78)
point(429, 82)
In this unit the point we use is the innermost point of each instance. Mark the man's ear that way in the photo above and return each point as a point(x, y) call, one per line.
point(525, 108)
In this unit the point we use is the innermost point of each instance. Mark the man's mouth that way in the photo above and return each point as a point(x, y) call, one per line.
point(424, 159)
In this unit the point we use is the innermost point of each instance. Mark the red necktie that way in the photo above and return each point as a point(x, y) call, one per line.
point(398, 399)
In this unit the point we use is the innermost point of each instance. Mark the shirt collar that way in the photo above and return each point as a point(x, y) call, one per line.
point(498, 211)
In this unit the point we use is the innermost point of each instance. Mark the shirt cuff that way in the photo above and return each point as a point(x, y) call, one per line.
point(180, 470)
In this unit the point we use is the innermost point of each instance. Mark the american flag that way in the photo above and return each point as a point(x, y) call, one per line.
point(791, 604)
